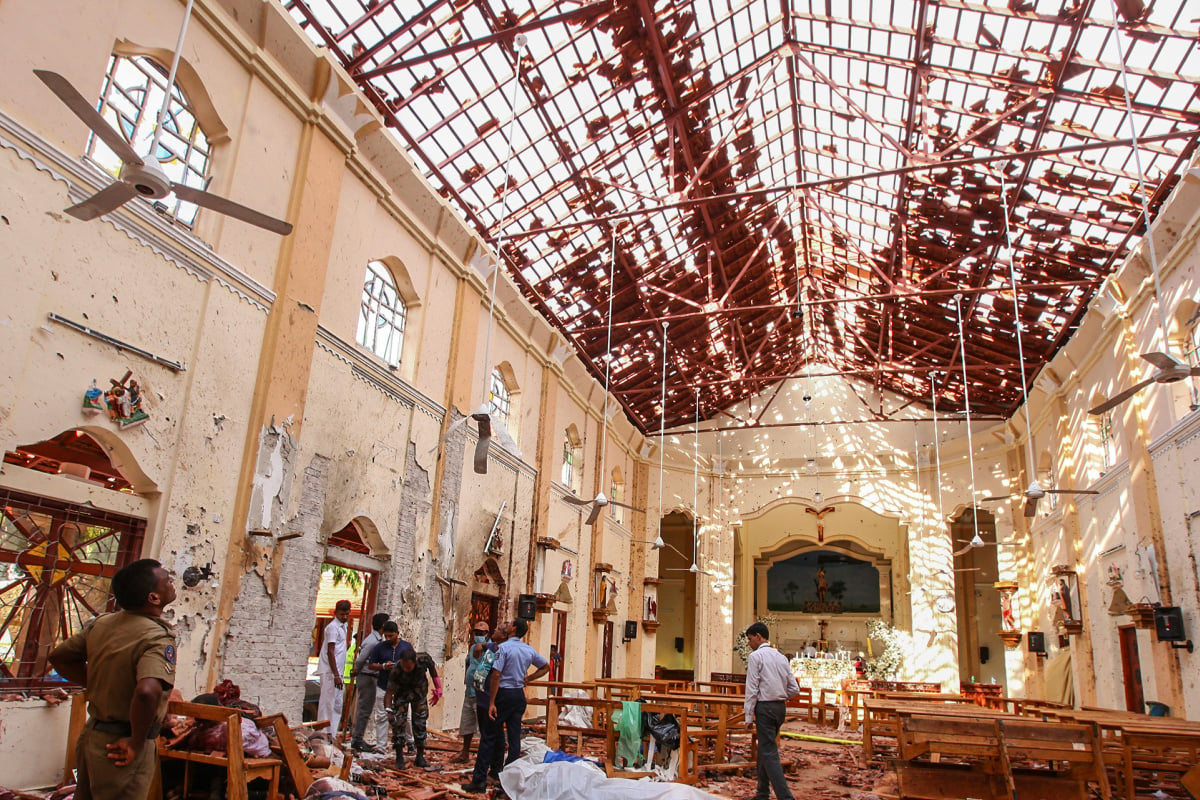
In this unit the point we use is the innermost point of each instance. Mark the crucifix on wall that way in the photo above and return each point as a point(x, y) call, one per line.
point(820, 519)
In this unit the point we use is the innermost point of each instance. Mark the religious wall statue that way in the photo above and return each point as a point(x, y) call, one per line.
point(822, 585)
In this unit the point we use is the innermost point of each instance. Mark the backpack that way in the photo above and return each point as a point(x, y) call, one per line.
point(479, 680)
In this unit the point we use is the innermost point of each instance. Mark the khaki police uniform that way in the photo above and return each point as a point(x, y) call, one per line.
point(120, 650)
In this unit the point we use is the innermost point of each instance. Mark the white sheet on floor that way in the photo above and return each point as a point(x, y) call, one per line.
point(528, 778)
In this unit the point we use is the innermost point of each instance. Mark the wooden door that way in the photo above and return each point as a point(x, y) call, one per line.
point(606, 662)
point(560, 642)
point(1131, 668)
point(483, 607)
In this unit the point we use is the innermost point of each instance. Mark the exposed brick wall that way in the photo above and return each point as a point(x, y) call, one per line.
point(266, 649)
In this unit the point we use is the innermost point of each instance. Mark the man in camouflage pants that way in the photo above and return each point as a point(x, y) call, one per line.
point(408, 685)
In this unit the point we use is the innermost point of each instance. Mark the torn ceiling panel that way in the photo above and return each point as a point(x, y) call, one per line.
point(791, 182)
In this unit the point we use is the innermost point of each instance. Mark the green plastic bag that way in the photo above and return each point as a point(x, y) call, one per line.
point(628, 722)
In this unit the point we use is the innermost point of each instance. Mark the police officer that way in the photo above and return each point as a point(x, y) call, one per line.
point(126, 661)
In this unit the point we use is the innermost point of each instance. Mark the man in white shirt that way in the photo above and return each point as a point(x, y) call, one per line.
point(769, 685)
point(331, 664)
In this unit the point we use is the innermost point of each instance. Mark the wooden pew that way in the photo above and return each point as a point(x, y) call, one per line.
point(555, 701)
point(881, 716)
point(713, 721)
point(997, 758)
point(687, 764)
point(239, 768)
point(1153, 754)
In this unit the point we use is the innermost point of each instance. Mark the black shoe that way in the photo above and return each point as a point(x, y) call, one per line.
point(399, 761)
point(358, 747)
point(474, 788)
point(420, 761)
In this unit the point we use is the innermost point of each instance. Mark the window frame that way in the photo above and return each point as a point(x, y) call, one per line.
point(500, 402)
point(184, 149)
point(370, 305)
point(26, 647)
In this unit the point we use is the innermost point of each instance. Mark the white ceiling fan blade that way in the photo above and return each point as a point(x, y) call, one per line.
point(458, 423)
point(996, 499)
point(963, 551)
point(576, 501)
point(1163, 360)
point(1194, 372)
point(1071, 491)
point(73, 100)
point(110, 197)
point(626, 505)
point(231, 209)
point(1116, 400)
point(595, 515)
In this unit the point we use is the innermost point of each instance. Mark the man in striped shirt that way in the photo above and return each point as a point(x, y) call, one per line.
point(769, 685)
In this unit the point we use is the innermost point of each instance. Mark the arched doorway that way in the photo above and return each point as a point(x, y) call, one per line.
point(675, 645)
point(980, 649)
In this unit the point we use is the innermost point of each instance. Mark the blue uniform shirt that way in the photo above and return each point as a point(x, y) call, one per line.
point(382, 654)
point(512, 662)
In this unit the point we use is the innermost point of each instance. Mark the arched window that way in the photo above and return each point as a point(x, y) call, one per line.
point(570, 458)
point(617, 493)
point(1191, 354)
point(500, 397)
point(134, 89)
point(382, 315)
point(1108, 440)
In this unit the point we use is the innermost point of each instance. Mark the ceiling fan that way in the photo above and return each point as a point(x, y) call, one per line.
point(482, 416)
point(143, 176)
point(600, 501)
point(1167, 369)
point(1034, 493)
point(976, 542)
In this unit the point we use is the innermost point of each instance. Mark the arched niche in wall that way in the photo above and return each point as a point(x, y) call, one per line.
point(802, 578)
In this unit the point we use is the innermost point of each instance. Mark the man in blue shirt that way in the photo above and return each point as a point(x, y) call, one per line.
point(380, 662)
point(507, 686)
point(489, 759)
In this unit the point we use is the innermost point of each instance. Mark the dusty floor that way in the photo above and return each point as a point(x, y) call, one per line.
point(821, 771)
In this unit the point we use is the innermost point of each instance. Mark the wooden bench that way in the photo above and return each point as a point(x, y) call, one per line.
point(881, 716)
point(997, 758)
point(239, 768)
point(687, 763)
point(714, 720)
point(1152, 754)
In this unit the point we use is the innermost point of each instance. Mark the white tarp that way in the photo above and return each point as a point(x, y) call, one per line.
point(528, 778)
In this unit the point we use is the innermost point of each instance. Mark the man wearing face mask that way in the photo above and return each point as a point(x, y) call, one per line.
point(468, 722)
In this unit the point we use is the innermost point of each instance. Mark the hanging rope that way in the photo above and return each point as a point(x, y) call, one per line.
point(612, 269)
point(162, 112)
point(967, 405)
point(937, 450)
point(1141, 175)
point(518, 47)
point(662, 427)
point(1012, 279)
point(695, 478)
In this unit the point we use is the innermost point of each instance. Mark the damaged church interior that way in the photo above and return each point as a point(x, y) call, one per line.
point(875, 321)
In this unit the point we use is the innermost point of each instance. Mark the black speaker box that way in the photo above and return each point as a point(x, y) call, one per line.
point(630, 629)
point(984, 654)
point(1037, 642)
point(1168, 624)
point(527, 607)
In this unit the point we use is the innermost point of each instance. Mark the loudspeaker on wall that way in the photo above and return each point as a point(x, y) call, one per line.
point(527, 607)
